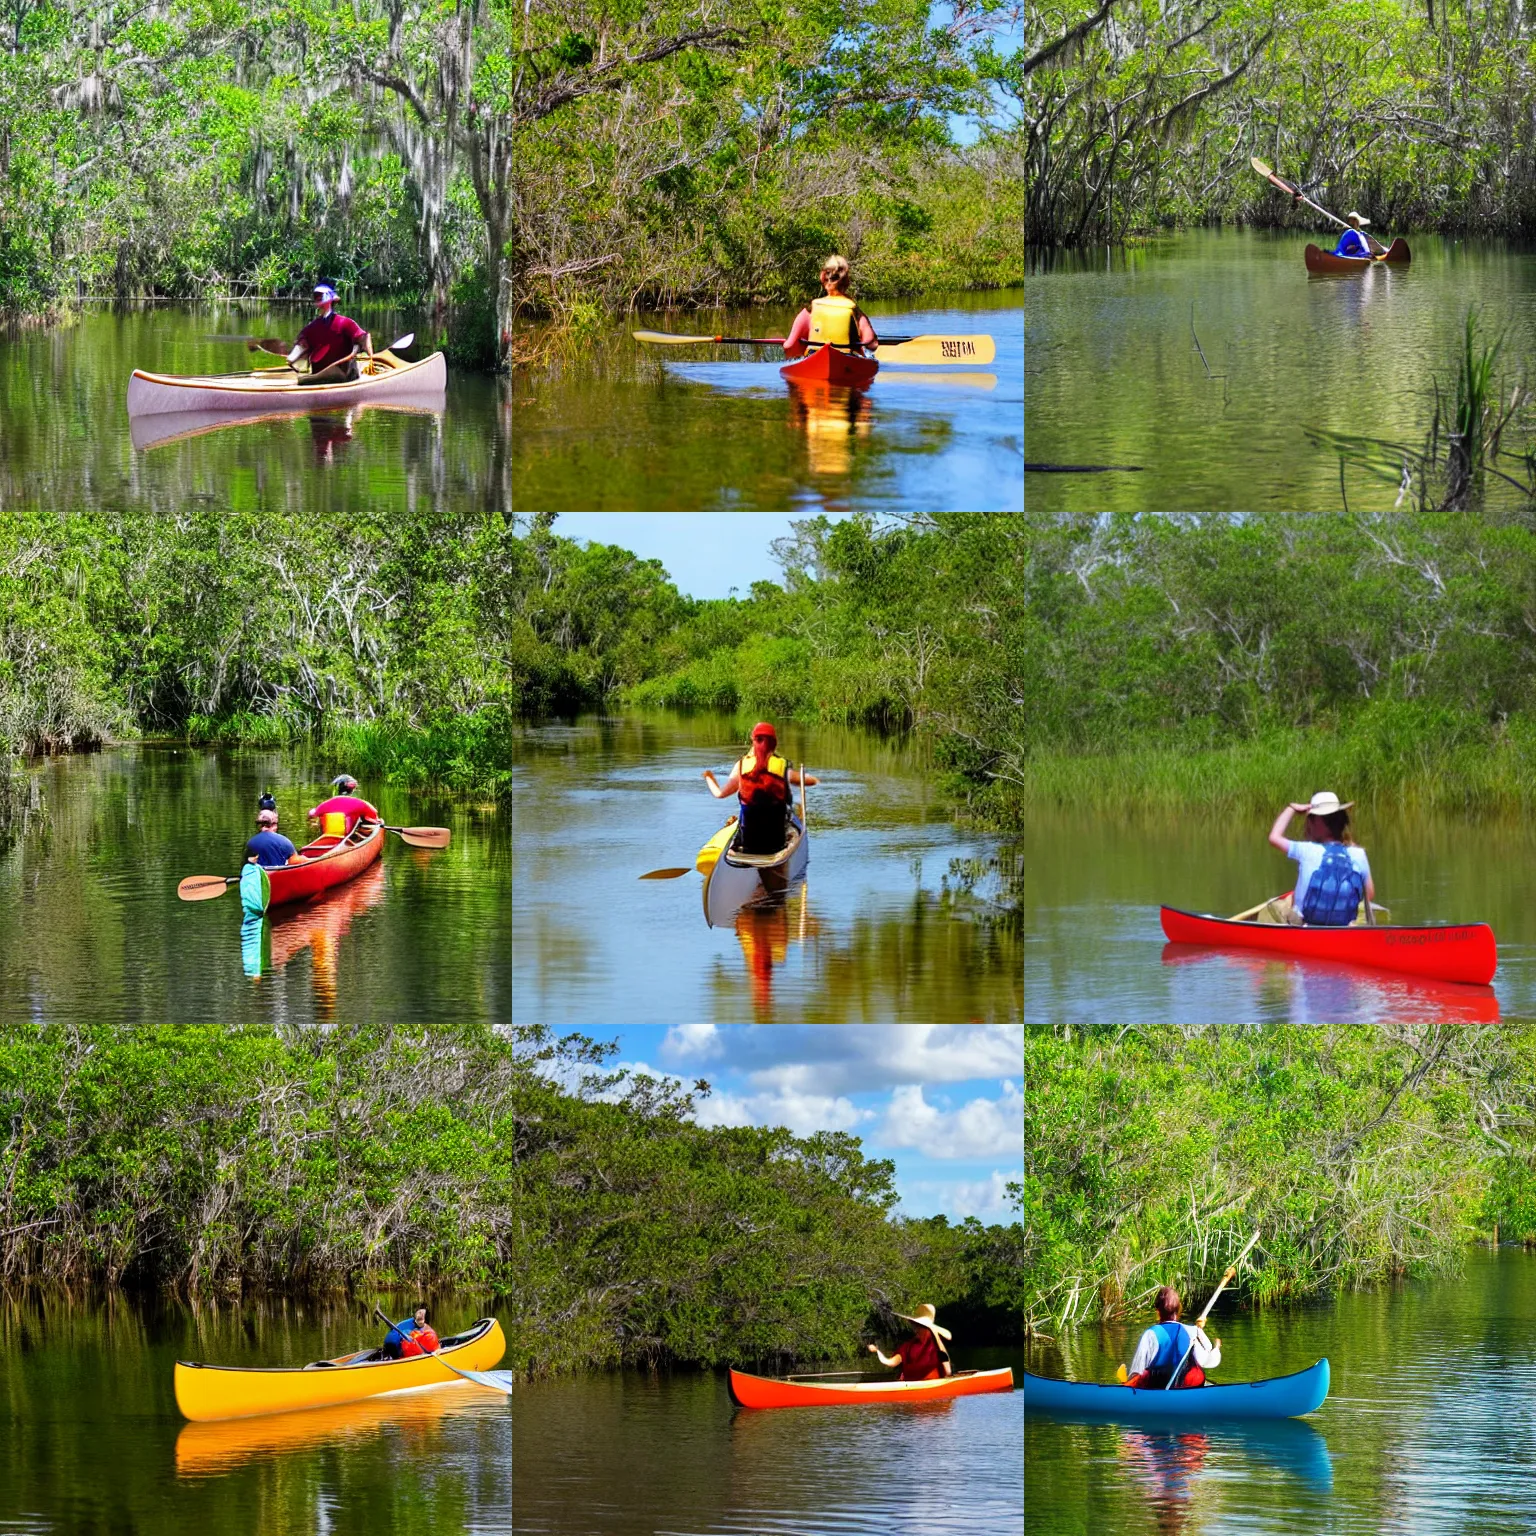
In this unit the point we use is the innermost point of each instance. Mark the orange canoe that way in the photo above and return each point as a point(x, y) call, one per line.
point(1397, 254)
point(771, 1392)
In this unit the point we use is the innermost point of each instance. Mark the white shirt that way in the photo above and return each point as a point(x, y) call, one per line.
point(1204, 1353)
point(1309, 856)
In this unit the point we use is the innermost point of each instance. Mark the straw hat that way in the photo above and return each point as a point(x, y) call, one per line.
point(1325, 803)
point(925, 1316)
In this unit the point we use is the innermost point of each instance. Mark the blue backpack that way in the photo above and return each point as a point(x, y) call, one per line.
point(1335, 891)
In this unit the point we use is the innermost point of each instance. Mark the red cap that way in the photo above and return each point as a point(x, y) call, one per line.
point(762, 728)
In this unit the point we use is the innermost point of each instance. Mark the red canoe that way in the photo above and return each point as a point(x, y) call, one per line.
point(829, 366)
point(327, 862)
point(771, 1392)
point(1443, 952)
point(1397, 254)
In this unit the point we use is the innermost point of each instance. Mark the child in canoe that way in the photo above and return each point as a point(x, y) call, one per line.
point(1167, 1342)
point(1333, 875)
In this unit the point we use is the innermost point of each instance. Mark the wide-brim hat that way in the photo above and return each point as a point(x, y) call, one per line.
point(1326, 803)
point(925, 1317)
point(1359, 218)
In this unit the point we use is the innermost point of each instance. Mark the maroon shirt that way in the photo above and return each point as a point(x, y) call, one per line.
point(920, 1358)
point(329, 337)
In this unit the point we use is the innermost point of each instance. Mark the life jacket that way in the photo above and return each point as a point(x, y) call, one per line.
point(765, 801)
point(1334, 891)
point(1174, 1340)
point(832, 320)
point(1352, 243)
point(768, 783)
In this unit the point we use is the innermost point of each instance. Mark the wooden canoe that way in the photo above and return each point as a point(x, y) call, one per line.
point(208, 1392)
point(773, 1392)
point(1397, 255)
point(327, 862)
point(1280, 1397)
point(267, 389)
point(1463, 952)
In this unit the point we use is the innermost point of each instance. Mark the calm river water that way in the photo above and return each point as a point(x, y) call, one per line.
point(714, 428)
point(1095, 952)
point(1428, 1426)
point(1112, 375)
point(94, 1441)
point(628, 1455)
point(91, 928)
point(883, 930)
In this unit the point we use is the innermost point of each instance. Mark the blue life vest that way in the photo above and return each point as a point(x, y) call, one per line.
point(1175, 1339)
point(1335, 890)
point(1352, 243)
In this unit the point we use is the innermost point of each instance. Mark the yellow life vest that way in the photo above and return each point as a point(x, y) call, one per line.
point(832, 321)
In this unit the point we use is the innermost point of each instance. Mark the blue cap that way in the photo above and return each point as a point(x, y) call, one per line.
point(325, 291)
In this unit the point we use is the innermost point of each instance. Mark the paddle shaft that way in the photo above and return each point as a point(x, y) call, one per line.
point(1296, 192)
point(1200, 1321)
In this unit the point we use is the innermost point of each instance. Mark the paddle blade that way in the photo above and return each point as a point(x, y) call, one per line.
point(664, 339)
point(940, 349)
point(202, 887)
point(422, 837)
point(663, 874)
point(497, 1381)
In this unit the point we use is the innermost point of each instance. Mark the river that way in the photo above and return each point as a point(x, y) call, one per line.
point(1427, 1427)
point(633, 1455)
point(1113, 375)
point(94, 1441)
point(1095, 951)
point(91, 928)
point(887, 927)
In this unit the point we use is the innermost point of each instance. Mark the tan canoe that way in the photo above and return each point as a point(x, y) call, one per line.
point(266, 389)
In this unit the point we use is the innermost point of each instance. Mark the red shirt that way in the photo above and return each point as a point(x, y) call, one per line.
point(350, 806)
point(329, 337)
point(920, 1358)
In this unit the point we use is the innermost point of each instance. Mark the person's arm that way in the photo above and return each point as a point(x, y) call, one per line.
point(794, 343)
point(795, 777)
point(874, 1349)
point(1277, 837)
point(1146, 1353)
point(722, 791)
point(866, 330)
point(1206, 1353)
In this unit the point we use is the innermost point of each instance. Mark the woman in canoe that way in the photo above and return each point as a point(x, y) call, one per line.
point(833, 319)
point(761, 779)
point(346, 803)
point(413, 1335)
point(1166, 1343)
point(922, 1356)
point(331, 342)
point(1333, 876)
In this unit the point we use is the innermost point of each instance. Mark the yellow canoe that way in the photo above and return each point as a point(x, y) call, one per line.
point(209, 1392)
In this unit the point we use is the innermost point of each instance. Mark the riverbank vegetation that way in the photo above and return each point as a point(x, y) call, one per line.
point(686, 155)
point(1362, 1154)
point(1231, 664)
point(1144, 118)
point(641, 1238)
point(384, 641)
point(916, 625)
point(255, 149)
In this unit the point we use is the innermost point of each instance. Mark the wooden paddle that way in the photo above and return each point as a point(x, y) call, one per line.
point(892, 349)
point(1301, 196)
point(480, 1378)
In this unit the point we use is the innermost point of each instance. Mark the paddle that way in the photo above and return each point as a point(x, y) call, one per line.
point(1200, 1321)
point(1301, 196)
point(893, 349)
point(207, 887)
point(480, 1378)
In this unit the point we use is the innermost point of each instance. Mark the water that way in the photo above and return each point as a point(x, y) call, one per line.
point(1427, 1428)
point(869, 937)
point(1095, 951)
point(669, 1456)
point(647, 428)
point(1112, 375)
point(91, 927)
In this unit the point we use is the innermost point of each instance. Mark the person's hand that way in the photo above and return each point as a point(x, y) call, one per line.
point(870, 1348)
point(1301, 809)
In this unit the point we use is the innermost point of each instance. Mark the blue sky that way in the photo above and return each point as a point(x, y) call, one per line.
point(944, 1102)
point(705, 553)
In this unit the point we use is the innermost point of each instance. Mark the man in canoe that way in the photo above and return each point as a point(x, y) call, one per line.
point(761, 780)
point(411, 1336)
point(834, 318)
point(331, 342)
point(922, 1356)
point(1166, 1343)
point(269, 847)
point(1333, 876)
point(345, 803)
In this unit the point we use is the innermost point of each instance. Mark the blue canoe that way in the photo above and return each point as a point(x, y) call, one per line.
point(1281, 1397)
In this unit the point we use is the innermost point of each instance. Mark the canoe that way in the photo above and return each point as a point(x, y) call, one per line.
point(772, 1392)
point(1463, 952)
point(1397, 254)
point(734, 878)
point(327, 862)
point(265, 389)
point(1280, 1397)
point(208, 1392)
point(827, 365)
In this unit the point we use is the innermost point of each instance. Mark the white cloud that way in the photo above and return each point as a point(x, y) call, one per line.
point(986, 1199)
point(981, 1128)
point(693, 1043)
point(802, 1113)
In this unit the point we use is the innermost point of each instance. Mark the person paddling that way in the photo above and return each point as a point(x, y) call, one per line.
point(1333, 875)
point(331, 342)
point(346, 804)
point(269, 847)
point(922, 1356)
point(1354, 241)
point(1168, 1341)
point(762, 781)
point(411, 1336)
point(834, 319)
